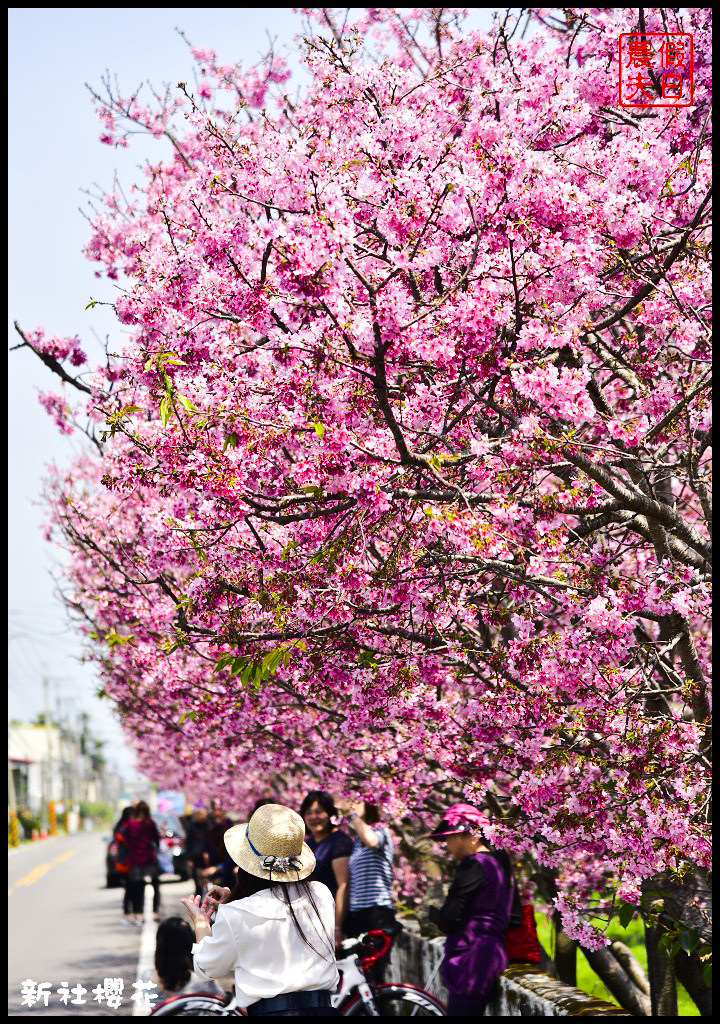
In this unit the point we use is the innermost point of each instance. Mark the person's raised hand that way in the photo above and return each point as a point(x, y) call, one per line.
point(193, 905)
point(213, 897)
point(346, 806)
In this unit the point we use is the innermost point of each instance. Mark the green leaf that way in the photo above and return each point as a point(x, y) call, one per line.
point(319, 429)
point(272, 660)
point(170, 357)
point(688, 940)
point(113, 639)
point(707, 975)
point(626, 914)
point(186, 403)
point(367, 660)
point(165, 411)
point(223, 661)
point(92, 304)
point(239, 664)
point(230, 441)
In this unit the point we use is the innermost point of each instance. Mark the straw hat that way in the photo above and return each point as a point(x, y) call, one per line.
point(271, 845)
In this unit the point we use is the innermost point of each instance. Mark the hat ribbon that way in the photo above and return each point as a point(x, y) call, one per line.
point(281, 865)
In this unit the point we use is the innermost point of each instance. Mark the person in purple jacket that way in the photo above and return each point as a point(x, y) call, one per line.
point(476, 913)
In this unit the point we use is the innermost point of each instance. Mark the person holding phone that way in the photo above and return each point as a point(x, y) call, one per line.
point(275, 930)
point(371, 902)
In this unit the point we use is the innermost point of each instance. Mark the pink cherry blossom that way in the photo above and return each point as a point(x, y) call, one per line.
point(404, 482)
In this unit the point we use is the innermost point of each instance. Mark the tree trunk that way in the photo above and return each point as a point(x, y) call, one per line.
point(565, 954)
point(661, 972)
point(687, 901)
point(689, 972)
point(632, 967)
point(619, 981)
point(547, 964)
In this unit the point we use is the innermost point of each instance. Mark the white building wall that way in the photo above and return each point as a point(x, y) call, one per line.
point(38, 747)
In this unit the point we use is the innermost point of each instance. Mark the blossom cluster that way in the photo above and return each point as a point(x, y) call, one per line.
point(405, 482)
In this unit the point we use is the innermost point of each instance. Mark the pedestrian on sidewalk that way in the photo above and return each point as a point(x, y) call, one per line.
point(371, 904)
point(143, 839)
point(122, 859)
point(219, 866)
point(332, 848)
point(275, 930)
point(476, 913)
point(196, 837)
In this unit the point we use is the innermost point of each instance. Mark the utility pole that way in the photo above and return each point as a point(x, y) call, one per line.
point(65, 765)
point(48, 802)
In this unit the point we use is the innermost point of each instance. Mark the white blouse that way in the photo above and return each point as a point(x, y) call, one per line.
point(257, 940)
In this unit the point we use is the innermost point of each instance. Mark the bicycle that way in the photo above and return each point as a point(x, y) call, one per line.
point(358, 996)
point(355, 996)
point(199, 1004)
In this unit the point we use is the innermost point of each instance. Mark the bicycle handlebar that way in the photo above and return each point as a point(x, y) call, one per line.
point(355, 945)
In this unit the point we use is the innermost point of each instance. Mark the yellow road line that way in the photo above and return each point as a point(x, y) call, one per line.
point(64, 856)
point(42, 869)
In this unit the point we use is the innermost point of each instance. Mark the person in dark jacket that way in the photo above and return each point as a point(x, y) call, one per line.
point(196, 838)
point(219, 866)
point(476, 913)
point(332, 848)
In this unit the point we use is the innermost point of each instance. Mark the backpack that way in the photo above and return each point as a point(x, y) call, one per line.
point(523, 945)
point(122, 857)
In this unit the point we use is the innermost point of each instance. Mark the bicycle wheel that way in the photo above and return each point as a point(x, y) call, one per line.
point(397, 1001)
point(195, 1005)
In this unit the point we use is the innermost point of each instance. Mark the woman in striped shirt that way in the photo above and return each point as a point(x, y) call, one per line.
point(371, 903)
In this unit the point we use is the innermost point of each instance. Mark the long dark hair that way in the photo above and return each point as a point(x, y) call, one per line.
point(372, 814)
point(142, 811)
point(249, 885)
point(317, 796)
point(173, 953)
point(127, 814)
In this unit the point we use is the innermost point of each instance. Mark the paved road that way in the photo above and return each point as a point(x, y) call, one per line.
point(65, 926)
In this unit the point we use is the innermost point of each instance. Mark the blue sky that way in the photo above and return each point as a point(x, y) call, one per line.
point(54, 155)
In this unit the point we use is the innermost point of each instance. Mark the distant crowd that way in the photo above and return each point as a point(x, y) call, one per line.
point(347, 852)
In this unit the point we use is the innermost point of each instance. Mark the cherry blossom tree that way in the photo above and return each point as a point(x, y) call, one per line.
point(401, 480)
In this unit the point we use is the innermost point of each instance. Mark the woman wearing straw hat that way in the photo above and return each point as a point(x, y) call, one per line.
point(274, 931)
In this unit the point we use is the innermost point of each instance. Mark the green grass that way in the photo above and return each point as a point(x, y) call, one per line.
point(587, 980)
